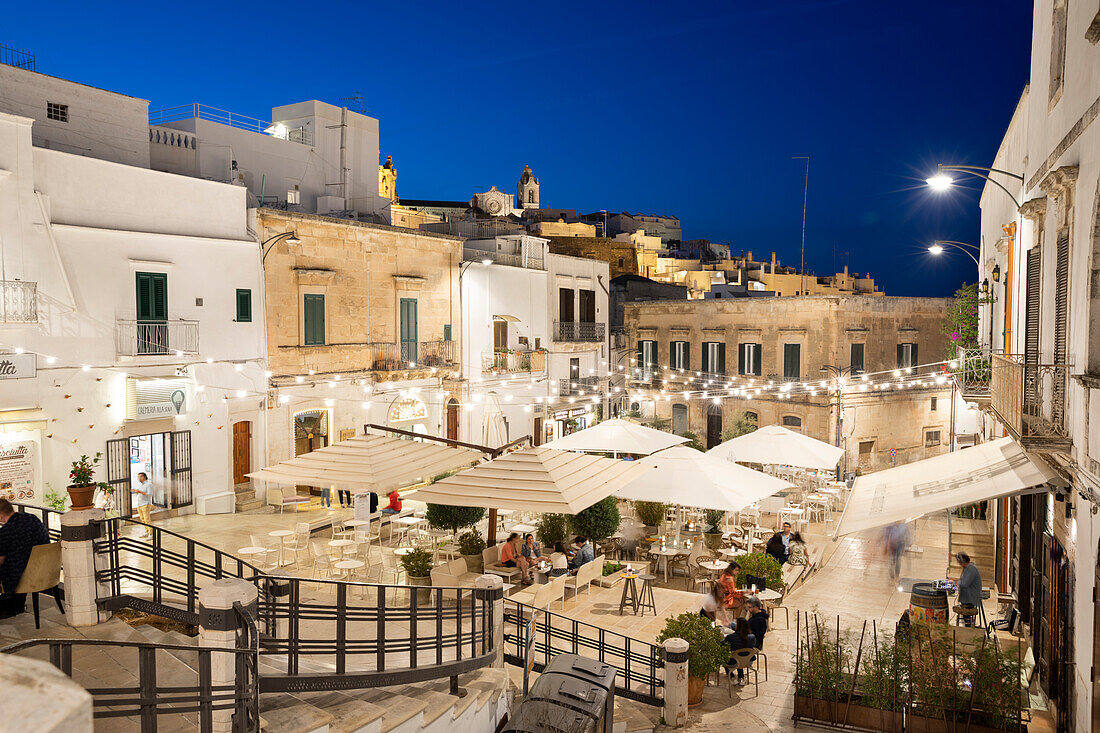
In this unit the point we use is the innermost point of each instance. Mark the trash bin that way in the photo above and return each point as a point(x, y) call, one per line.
point(573, 694)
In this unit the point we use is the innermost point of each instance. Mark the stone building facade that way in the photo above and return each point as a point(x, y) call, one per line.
point(789, 350)
point(621, 256)
point(363, 327)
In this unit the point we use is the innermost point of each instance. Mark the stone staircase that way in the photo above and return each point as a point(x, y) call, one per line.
point(246, 498)
point(973, 537)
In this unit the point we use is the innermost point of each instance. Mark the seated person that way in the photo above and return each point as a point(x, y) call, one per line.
point(711, 606)
point(758, 620)
point(732, 599)
point(531, 552)
point(19, 534)
point(741, 638)
point(510, 557)
point(585, 552)
point(394, 506)
point(559, 561)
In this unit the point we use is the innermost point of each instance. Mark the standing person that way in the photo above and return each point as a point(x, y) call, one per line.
point(970, 585)
point(395, 503)
point(896, 541)
point(341, 494)
point(373, 502)
point(19, 533)
point(758, 620)
point(779, 546)
point(710, 606)
point(741, 638)
point(326, 497)
point(142, 501)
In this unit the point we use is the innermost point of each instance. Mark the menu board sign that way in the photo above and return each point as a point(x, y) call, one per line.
point(18, 470)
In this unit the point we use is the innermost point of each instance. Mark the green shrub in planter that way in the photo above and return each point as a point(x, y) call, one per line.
point(417, 564)
point(454, 518)
point(610, 567)
point(762, 565)
point(471, 543)
point(707, 650)
point(597, 522)
point(650, 513)
point(714, 516)
point(552, 529)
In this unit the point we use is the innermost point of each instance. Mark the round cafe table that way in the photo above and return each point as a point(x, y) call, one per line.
point(282, 534)
point(251, 551)
point(356, 522)
point(347, 566)
point(341, 544)
point(402, 551)
point(665, 555)
point(714, 565)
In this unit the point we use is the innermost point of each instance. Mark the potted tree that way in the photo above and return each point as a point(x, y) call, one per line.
point(418, 568)
point(453, 518)
point(83, 486)
point(470, 546)
point(597, 522)
point(651, 514)
point(707, 650)
point(762, 565)
point(552, 529)
point(712, 537)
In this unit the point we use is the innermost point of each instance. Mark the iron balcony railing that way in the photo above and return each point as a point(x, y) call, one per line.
point(150, 338)
point(580, 386)
point(579, 331)
point(391, 357)
point(18, 301)
point(973, 372)
point(224, 117)
point(1029, 399)
point(508, 362)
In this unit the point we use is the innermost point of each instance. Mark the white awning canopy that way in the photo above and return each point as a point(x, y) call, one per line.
point(688, 477)
point(776, 445)
point(534, 479)
point(618, 436)
point(369, 462)
point(986, 471)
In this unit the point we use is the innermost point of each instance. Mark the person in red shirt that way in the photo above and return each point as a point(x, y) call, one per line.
point(395, 503)
point(510, 556)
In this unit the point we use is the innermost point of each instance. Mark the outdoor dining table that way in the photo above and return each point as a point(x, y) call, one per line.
point(665, 555)
point(341, 544)
point(347, 566)
point(282, 534)
point(356, 523)
point(402, 551)
point(252, 550)
point(523, 528)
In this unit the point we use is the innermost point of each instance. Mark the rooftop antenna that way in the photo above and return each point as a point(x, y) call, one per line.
point(357, 98)
point(805, 194)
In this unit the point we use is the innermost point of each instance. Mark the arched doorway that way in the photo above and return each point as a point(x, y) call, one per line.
point(310, 431)
point(714, 424)
point(452, 419)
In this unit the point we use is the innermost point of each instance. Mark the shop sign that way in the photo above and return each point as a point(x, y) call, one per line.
point(18, 462)
point(568, 414)
point(18, 366)
point(561, 415)
point(406, 409)
point(148, 399)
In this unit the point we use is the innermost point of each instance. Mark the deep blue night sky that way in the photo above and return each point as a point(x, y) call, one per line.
point(687, 108)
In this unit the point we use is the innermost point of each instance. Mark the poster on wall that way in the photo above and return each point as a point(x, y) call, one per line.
point(19, 470)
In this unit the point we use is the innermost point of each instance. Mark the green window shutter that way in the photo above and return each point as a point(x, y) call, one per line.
point(244, 305)
point(152, 296)
point(792, 358)
point(741, 359)
point(313, 312)
point(446, 332)
point(722, 358)
point(704, 362)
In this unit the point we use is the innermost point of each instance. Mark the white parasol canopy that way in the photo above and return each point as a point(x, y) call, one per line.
point(618, 436)
point(534, 479)
point(776, 445)
point(689, 477)
point(369, 462)
point(986, 471)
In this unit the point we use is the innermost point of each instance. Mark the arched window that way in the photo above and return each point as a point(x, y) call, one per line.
point(750, 415)
point(531, 196)
point(679, 419)
point(792, 421)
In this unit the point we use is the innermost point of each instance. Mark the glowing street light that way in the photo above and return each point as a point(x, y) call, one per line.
point(940, 182)
point(936, 249)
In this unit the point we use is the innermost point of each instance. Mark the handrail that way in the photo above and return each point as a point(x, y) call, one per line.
point(46, 512)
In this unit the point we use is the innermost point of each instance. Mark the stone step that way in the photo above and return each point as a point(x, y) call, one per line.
point(248, 505)
point(284, 713)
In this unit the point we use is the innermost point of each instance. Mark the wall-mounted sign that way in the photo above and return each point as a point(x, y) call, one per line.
point(406, 409)
point(148, 399)
point(18, 366)
point(18, 469)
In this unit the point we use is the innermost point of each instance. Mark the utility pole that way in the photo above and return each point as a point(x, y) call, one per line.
point(805, 196)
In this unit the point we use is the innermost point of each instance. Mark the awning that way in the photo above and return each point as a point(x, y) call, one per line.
point(618, 436)
point(776, 445)
point(986, 471)
point(369, 462)
point(688, 477)
point(536, 480)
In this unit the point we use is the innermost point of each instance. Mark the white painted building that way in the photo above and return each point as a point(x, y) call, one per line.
point(534, 340)
point(132, 325)
point(1040, 249)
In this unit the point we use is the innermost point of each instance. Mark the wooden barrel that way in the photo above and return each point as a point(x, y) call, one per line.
point(928, 604)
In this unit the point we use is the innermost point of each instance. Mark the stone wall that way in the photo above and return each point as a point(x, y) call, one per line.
point(621, 257)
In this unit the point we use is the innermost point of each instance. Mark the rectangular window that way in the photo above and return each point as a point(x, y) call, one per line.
point(409, 330)
point(244, 305)
point(748, 359)
point(714, 357)
point(500, 334)
point(313, 317)
point(679, 355)
point(931, 438)
point(866, 448)
point(152, 312)
point(588, 306)
point(565, 305)
point(57, 112)
point(792, 362)
point(647, 359)
point(446, 332)
point(907, 356)
point(855, 358)
point(574, 369)
point(933, 404)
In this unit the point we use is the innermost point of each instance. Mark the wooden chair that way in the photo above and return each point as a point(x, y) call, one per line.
point(42, 575)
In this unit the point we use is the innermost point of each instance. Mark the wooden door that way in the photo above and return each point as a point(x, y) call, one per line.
point(536, 439)
point(714, 425)
point(242, 451)
point(452, 420)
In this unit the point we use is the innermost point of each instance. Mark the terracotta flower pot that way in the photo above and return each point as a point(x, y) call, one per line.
point(81, 497)
point(695, 689)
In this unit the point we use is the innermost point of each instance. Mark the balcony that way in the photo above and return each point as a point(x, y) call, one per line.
point(1030, 400)
point(531, 260)
point(579, 332)
point(147, 338)
point(391, 357)
point(578, 386)
point(974, 373)
point(19, 301)
point(509, 362)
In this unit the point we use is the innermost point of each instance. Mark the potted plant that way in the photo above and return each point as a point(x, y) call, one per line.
point(762, 565)
point(83, 486)
point(712, 537)
point(707, 650)
point(552, 529)
point(651, 514)
point(819, 679)
point(470, 546)
point(55, 499)
point(597, 522)
point(418, 568)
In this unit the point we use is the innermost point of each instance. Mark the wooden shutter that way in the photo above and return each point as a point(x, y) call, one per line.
point(914, 360)
point(181, 469)
point(409, 329)
point(313, 312)
point(1061, 318)
point(244, 305)
point(741, 358)
point(704, 362)
point(758, 360)
point(565, 305)
point(721, 358)
point(856, 358)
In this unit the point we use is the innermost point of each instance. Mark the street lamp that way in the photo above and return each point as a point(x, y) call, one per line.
point(942, 182)
point(938, 246)
point(290, 237)
point(840, 373)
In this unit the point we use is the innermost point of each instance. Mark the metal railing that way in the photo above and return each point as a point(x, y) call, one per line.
point(1029, 399)
point(506, 362)
point(580, 331)
point(390, 357)
point(50, 518)
point(18, 57)
point(150, 338)
point(224, 117)
point(152, 697)
point(18, 301)
point(578, 386)
point(973, 372)
point(639, 664)
point(531, 261)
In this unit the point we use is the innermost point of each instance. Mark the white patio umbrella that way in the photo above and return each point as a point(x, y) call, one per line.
point(776, 445)
point(618, 436)
point(689, 477)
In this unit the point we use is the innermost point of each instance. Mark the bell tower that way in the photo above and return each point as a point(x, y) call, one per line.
point(527, 190)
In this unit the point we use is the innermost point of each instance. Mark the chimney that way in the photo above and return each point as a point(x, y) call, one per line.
point(845, 271)
point(773, 263)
